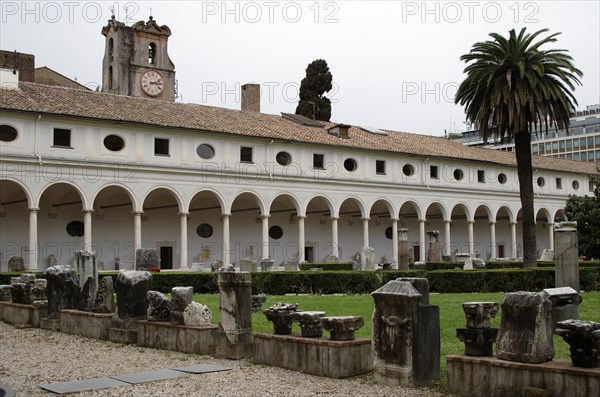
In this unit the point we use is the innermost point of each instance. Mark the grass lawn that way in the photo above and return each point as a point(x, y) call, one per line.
point(451, 315)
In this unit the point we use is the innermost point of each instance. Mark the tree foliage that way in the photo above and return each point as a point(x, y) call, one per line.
point(586, 211)
point(313, 103)
point(512, 87)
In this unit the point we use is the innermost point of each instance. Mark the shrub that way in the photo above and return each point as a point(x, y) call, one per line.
point(327, 266)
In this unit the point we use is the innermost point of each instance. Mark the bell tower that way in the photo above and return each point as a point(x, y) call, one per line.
point(136, 61)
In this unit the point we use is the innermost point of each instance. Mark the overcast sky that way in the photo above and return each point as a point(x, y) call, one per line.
point(395, 64)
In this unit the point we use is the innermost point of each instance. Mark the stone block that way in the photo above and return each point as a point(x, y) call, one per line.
point(62, 289)
point(88, 324)
point(132, 288)
point(22, 315)
point(315, 356)
point(181, 338)
point(233, 339)
point(52, 324)
point(146, 259)
point(490, 377)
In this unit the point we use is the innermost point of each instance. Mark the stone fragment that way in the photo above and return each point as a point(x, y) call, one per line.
point(38, 291)
point(479, 314)
point(342, 327)
point(62, 289)
point(310, 323)
point(583, 338)
point(146, 259)
point(565, 304)
point(5, 293)
point(226, 268)
point(21, 293)
point(105, 299)
point(233, 338)
point(566, 269)
point(280, 314)
point(159, 307)
point(88, 278)
point(197, 314)
point(181, 297)
point(547, 255)
point(132, 287)
point(525, 328)
point(474, 264)
point(16, 264)
point(257, 302)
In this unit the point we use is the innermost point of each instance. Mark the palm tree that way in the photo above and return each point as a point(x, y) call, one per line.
point(512, 88)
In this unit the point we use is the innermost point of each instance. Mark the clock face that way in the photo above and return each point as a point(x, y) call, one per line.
point(152, 83)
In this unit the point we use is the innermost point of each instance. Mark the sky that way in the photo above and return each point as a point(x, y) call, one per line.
point(395, 64)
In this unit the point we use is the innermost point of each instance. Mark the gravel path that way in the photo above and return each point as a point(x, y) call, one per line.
point(29, 357)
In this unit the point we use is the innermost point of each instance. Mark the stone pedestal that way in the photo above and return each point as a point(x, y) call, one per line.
point(479, 337)
point(146, 259)
point(583, 338)
point(88, 324)
point(132, 289)
point(526, 328)
point(565, 304)
point(233, 338)
point(566, 250)
point(23, 316)
point(180, 338)
point(406, 336)
point(403, 254)
point(433, 253)
point(342, 327)
point(266, 265)
point(248, 265)
point(88, 278)
point(62, 289)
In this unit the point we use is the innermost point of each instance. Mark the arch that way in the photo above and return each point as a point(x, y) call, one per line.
point(485, 208)
point(465, 208)
point(328, 203)
point(359, 203)
point(176, 195)
point(559, 215)
point(511, 215)
point(292, 198)
point(127, 190)
point(542, 213)
point(387, 203)
point(442, 208)
point(416, 207)
point(261, 205)
point(22, 186)
point(84, 202)
point(212, 192)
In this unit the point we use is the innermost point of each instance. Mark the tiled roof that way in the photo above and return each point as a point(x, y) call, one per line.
point(55, 100)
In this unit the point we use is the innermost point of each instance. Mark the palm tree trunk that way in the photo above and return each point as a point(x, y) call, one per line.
point(525, 171)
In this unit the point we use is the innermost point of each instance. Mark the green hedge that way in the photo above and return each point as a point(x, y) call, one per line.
point(327, 266)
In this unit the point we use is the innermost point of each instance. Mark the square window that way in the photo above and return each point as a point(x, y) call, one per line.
point(319, 161)
point(161, 146)
point(433, 171)
point(246, 154)
point(380, 167)
point(62, 138)
point(559, 183)
point(481, 176)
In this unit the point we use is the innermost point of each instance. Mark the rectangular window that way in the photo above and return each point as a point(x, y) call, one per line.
point(380, 167)
point(534, 149)
point(246, 154)
point(161, 146)
point(559, 183)
point(591, 186)
point(569, 145)
point(481, 176)
point(562, 146)
point(433, 171)
point(590, 142)
point(62, 138)
point(554, 147)
point(597, 140)
point(319, 161)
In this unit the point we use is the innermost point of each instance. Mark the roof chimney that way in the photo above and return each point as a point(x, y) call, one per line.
point(251, 98)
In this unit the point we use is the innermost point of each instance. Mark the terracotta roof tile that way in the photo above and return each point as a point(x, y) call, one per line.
point(38, 98)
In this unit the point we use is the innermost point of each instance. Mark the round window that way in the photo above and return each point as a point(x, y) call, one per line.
point(275, 232)
point(205, 151)
point(502, 178)
point(350, 165)
point(408, 170)
point(75, 229)
point(114, 143)
point(7, 133)
point(541, 182)
point(283, 158)
point(458, 175)
point(388, 233)
point(575, 185)
point(204, 230)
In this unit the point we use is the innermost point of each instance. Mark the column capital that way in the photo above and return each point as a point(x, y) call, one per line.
point(447, 220)
point(394, 219)
point(225, 215)
point(87, 210)
point(186, 214)
point(138, 213)
point(550, 223)
point(334, 218)
point(470, 222)
point(267, 216)
point(493, 223)
point(422, 220)
point(513, 223)
point(33, 209)
point(366, 219)
point(300, 216)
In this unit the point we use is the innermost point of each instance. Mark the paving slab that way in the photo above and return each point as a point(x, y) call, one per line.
point(83, 385)
point(149, 376)
point(202, 368)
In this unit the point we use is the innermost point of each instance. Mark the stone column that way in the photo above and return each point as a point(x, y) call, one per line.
point(183, 254)
point(265, 236)
point(87, 268)
point(365, 225)
point(566, 255)
point(403, 249)
point(448, 240)
point(471, 238)
point(32, 252)
point(513, 239)
point(551, 236)
point(87, 229)
point(301, 241)
point(334, 237)
point(137, 229)
point(422, 254)
point(493, 253)
point(433, 253)
point(395, 243)
point(225, 218)
point(233, 338)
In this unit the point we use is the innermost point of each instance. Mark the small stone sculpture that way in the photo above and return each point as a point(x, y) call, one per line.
point(478, 337)
point(310, 323)
point(280, 314)
point(583, 338)
point(105, 300)
point(343, 327)
point(226, 268)
point(16, 264)
point(197, 314)
point(159, 307)
point(257, 302)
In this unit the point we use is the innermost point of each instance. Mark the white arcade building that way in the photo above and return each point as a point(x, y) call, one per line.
point(127, 168)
